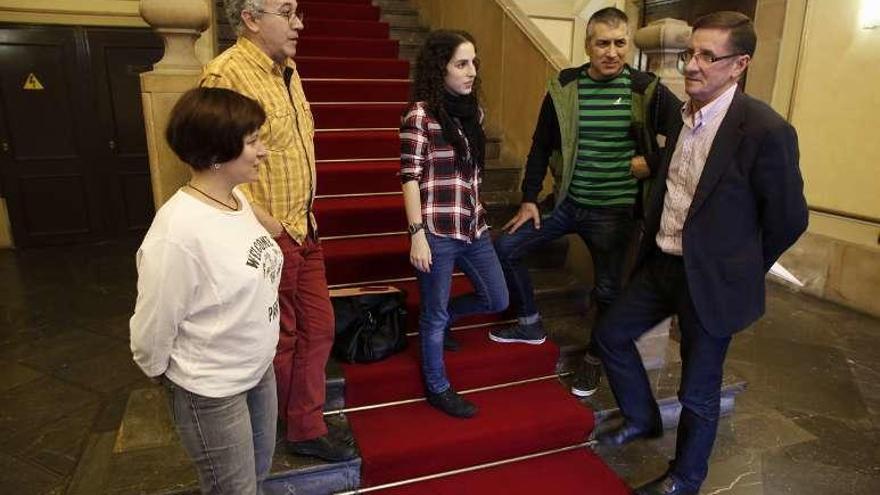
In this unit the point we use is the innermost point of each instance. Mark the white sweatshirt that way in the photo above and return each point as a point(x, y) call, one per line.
point(207, 306)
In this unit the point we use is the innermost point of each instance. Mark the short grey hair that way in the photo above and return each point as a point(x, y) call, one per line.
point(234, 8)
point(609, 16)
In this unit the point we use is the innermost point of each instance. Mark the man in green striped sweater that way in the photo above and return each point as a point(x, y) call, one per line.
point(597, 131)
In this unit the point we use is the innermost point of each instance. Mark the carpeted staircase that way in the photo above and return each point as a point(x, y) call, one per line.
point(529, 434)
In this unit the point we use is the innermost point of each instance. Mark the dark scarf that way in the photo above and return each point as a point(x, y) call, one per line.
point(465, 109)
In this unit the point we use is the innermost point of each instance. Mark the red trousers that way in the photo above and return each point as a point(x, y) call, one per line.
point(307, 330)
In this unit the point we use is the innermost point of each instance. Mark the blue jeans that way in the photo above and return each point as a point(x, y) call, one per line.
point(479, 262)
point(231, 440)
point(658, 290)
point(607, 232)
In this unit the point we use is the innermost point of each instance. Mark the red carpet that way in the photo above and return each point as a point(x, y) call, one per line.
point(573, 472)
point(398, 377)
point(365, 215)
point(414, 439)
point(343, 47)
point(357, 115)
point(374, 176)
point(340, 145)
point(351, 67)
point(357, 89)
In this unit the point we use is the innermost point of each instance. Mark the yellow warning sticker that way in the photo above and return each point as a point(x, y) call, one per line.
point(32, 83)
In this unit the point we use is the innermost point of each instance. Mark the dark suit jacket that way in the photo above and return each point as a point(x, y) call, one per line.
point(748, 208)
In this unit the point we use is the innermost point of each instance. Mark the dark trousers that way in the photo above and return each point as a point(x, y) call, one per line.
point(307, 330)
point(607, 232)
point(659, 289)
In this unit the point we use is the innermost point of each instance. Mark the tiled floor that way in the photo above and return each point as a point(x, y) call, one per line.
point(809, 422)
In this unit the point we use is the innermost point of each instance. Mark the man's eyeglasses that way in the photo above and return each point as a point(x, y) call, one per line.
point(288, 15)
point(703, 59)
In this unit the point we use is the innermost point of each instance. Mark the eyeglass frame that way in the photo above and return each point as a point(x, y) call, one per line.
point(703, 59)
point(299, 14)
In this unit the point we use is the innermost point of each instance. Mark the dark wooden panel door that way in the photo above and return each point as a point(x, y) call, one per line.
point(118, 56)
point(45, 168)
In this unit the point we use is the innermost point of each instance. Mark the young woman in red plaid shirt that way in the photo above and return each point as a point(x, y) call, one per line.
point(441, 160)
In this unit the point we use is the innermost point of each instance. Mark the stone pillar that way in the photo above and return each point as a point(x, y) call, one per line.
point(179, 23)
point(661, 41)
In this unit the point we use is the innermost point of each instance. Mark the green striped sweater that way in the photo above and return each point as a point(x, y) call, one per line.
point(602, 168)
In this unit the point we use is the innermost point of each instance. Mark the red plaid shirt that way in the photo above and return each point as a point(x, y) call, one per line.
point(450, 192)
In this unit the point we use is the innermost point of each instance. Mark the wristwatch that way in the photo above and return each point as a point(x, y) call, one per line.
point(415, 227)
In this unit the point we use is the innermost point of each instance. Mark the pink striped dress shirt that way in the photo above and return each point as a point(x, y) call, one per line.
point(686, 167)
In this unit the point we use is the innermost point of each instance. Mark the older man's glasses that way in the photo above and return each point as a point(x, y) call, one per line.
point(703, 59)
point(288, 15)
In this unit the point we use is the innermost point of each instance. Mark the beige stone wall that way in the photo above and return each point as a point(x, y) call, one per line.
point(517, 59)
point(824, 84)
point(769, 23)
point(834, 106)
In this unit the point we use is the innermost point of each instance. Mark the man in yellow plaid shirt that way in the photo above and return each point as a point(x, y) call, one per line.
point(260, 65)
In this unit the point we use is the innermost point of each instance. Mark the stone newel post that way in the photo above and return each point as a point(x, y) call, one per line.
point(661, 41)
point(179, 23)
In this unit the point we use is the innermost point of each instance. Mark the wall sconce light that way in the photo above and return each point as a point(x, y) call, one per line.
point(869, 17)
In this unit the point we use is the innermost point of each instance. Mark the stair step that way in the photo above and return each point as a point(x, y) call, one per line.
point(460, 285)
point(409, 34)
point(399, 377)
point(511, 422)
point(401, 18)
point(361, 90)
point(360, 215)
point(358, 115)
point(360, 259)
point(347, 145)
point(325, 46)
point(355, 2)
point(352, 68)
point(501, 179)
point(332, 10)
point(394, 5)
point(354, 29)
point(358, 177)
point(576, 471)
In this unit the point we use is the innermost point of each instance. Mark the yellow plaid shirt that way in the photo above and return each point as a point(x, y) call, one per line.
point(286, 186)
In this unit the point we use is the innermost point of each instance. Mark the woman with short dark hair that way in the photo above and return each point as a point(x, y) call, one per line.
point(206, 319)
point(441, 160)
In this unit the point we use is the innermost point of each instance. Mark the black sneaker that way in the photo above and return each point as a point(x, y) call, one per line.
point(525, 334)
point(452, 404)
point(325, 447)
point(586, 379)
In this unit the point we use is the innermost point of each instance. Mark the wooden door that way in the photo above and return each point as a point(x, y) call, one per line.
point(73, 159)
point(46, 163)
point(118, 56)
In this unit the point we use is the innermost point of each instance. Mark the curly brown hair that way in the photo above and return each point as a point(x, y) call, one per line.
point(428, 85)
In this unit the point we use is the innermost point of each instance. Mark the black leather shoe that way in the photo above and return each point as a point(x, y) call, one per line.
point(340, 433)
point(452, 404)
point(664, 485)
point(325, 447)
point(626, 433)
